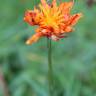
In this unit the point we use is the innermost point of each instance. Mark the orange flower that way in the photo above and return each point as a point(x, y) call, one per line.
point(53, 21)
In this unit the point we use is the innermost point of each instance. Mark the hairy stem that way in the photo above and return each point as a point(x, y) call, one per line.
point(50, 72)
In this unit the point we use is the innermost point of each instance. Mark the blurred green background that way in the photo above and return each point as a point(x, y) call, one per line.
point(23, 68)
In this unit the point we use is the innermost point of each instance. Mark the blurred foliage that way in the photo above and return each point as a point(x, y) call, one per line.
point(24, 68)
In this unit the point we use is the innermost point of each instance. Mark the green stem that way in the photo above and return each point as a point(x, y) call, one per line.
point(50, 72)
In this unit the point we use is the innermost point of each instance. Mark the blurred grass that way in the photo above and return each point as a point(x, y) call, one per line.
point(25, 67)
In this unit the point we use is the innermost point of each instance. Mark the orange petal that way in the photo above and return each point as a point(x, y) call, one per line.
point(34, 38)
point(54, 3)
point(36, 10)
point(73, 20)
point(66, 7)
point(54, 7)
point(68, 29)
point(29, 17)
point(44, 3)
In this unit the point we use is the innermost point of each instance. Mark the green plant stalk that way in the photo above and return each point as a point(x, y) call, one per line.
point(50, 71)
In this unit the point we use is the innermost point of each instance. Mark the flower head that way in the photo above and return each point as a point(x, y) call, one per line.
point(53, 21)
